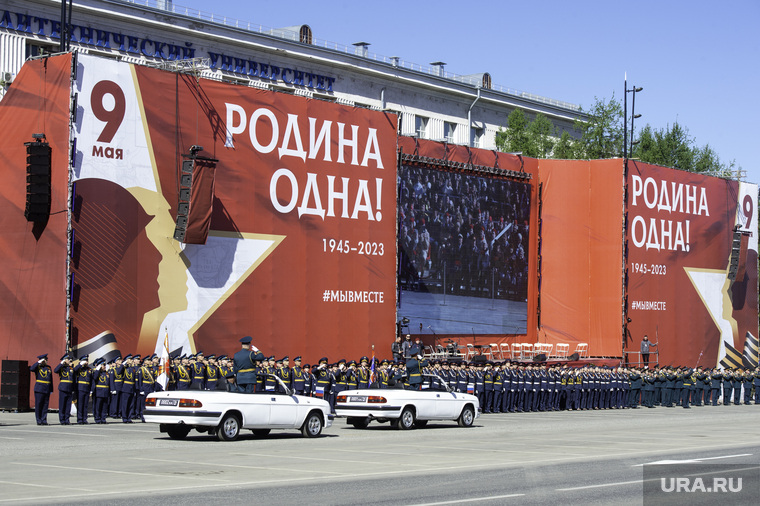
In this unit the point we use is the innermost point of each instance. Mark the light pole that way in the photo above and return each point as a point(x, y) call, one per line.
point(633, 90)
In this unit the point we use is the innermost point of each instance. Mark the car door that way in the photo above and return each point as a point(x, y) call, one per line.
point(283, 409)
point(255, 409)
point(447, 405)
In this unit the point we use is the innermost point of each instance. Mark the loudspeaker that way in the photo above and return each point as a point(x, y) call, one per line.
point(574, 357)
point(541, 357)
point(14, 389)
point(37, 181)
point(478, 359)
point(183, 206)
point(195, 198)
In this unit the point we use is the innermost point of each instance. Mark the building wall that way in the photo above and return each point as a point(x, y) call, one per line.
point(358, 80)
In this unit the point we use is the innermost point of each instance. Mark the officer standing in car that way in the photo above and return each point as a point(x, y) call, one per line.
point(244, 365)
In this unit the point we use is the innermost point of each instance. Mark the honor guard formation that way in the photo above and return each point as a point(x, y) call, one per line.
point(117, 388)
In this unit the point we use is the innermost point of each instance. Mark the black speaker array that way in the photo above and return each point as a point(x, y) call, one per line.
point(37, 181)
point(183, 206)
point(14, 390)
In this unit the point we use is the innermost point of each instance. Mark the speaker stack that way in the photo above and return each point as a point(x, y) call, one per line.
point(14, 389)
point(37, 180)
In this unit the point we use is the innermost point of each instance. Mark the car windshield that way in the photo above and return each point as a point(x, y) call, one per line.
point(434, 382)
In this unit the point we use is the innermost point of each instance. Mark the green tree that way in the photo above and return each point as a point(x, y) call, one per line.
point(531, 138)
point(540, 135)
point(515, 138)
point(602, 131)
point(673, 147)
point(565, 148)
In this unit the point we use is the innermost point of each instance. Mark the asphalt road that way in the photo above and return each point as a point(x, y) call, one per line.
point(588, 457)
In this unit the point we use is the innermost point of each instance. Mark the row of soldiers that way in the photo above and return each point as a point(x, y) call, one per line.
point(515, 387)
point(117, 388)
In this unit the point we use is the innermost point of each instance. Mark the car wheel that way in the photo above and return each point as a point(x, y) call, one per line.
point(229, 429)
point(467, 417)
point(312, 427)
point(420, 423)
point(178, 431)
point(261, 432)
point(359, 422)
point(406, 420)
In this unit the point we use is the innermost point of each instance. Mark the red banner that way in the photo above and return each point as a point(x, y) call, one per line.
point(681, 229)
point(300, 252)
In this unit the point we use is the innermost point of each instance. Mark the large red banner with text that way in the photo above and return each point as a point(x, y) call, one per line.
point(300, 252)
point(681, 229)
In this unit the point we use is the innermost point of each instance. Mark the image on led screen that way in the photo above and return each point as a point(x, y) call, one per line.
point(462, 252)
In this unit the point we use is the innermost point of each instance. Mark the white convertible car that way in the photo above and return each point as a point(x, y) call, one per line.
point(227, 413)
point(407, 408)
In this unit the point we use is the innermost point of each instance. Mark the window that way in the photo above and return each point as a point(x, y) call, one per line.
point(421, 126)
point(477, 137)
point(449, 131)
point(34, 49)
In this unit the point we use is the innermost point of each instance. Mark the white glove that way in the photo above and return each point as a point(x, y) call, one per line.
point(419, 357)
point(113, 392)
point(142, 393)
point(254, 348)
point(40, 360)
point(341, 366)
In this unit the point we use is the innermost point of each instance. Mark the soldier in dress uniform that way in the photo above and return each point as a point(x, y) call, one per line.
point(284, 372)
point(728, 386)
point(350, 376)
point(383, 376)
point(488, 388)
point(65, 388)
point(126, 397)
point(705, 384)
point(100, 389)
point(244, 365)
point(323, 376)
point(43, 387)
point(198, 372)
point(144, 385)
point(83, 376)
point(212, 373)
point(298, 378)
point(716, 379)
point(309, 381)
point(184, 374)
point(413, 365)
point(737, 385)
point(115, 379)
point(362, 374)
point(269, 369)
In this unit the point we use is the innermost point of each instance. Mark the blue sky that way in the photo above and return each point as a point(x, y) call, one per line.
point(697, 61)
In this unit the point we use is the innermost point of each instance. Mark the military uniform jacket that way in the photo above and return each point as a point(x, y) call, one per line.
point(83, 376)
point(115, 378)
point(130, 378)
point(286, 375)
point(65, 378)
point(43, 375)
point(244, 366)
point(298, 379)
point(101, 384)
point(145, 380)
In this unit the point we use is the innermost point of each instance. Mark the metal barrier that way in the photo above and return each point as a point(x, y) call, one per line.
point(654, 359)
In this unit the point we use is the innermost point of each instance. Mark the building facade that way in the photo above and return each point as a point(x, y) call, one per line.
point(431, 102)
